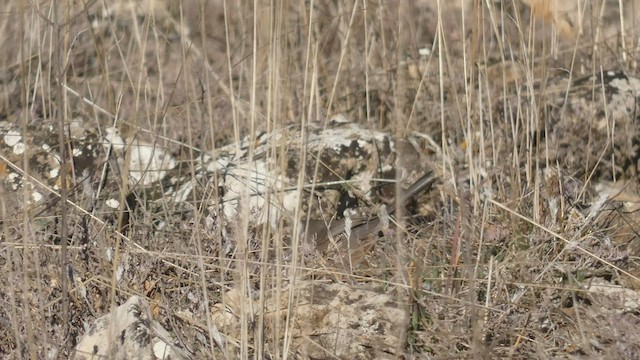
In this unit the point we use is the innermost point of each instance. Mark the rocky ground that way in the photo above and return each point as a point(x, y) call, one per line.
point(350, 180)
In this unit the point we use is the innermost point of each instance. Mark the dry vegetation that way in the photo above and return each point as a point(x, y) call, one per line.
point(504, 259)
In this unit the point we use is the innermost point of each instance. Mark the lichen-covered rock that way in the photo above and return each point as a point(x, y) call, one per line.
point(585, 125)
point(327, 320)
point(344, 160)
point(31, 158)
point(324, 168)
point(128, 332)
point(597, 128)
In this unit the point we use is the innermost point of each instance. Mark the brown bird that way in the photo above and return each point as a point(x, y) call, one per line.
point(322, 232)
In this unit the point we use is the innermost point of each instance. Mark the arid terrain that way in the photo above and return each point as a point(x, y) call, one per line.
point(319, 179)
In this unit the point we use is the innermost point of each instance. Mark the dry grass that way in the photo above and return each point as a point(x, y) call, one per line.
point(499, 265)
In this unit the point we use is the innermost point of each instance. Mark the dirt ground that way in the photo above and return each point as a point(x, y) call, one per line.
point(527, 246)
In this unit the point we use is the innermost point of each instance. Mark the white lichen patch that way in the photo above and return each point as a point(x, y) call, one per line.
point(112, 203)
point(113, 138)
point(182, 192)
point(363, 184)
point(252, 181)
point(12, 138)
point(149, 163)
point(161, 350)
point(36, 196)
point(247, 180)
point(218, 165)
point(343, 136)
point(290, 200)
point(19, 148)
point(15, 180)
point(53, 173)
